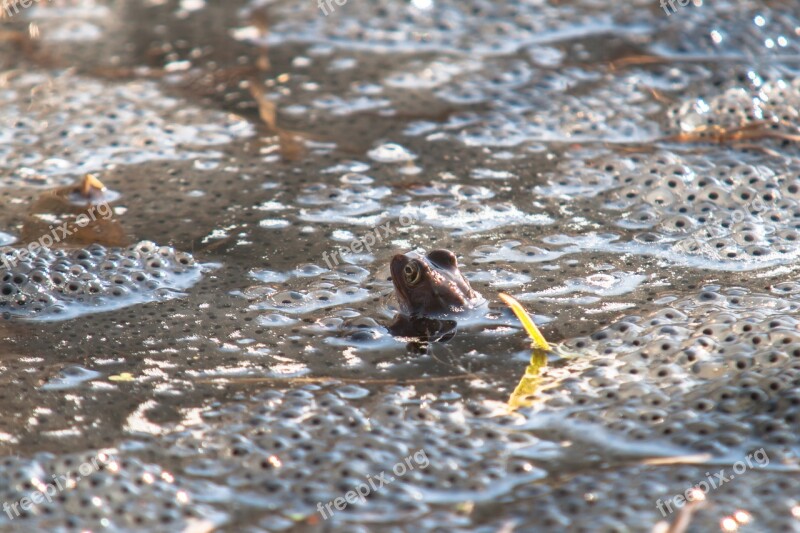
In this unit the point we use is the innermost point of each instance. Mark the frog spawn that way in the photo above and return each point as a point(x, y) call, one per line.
point(67, 112)
point(770, 105)
point(465, 218)
point(99, 491)
point(355, 202)
point(737, 214)
point(481, 29)
point(57, 284)
point(320, 295)
point(527, 100)
point(478, 452)
point(609, 501)
point(617, 112)
point(730, 28)
point(259, 448)
point(460, 208)
point(714, 372)
point(607, 498)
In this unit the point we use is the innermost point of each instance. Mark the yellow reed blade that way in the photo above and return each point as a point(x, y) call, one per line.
point(539, 341)
point(529, 383)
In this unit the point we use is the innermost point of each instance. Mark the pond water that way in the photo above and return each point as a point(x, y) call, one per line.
point(210, 350)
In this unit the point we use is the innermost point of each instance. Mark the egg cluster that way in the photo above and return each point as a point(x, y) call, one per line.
point(65, 283)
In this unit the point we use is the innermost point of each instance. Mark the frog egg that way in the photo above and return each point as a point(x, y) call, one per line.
point(644, 216)
point(677, 224)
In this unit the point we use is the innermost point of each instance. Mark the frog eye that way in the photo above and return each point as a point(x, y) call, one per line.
point(412, 273)
point(443, 258)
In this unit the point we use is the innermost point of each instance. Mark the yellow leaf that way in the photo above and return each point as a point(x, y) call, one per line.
point(125, 376)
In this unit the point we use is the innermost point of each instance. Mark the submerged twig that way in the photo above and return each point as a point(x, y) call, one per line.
point(720, 135)
point(684, 517)
point(387, 381)
point(645, 60)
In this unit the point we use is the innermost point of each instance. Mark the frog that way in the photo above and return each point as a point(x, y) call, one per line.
point(431, 291)
point(431, 285)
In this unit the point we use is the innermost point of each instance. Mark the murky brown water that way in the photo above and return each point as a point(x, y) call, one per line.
point(631, 177)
